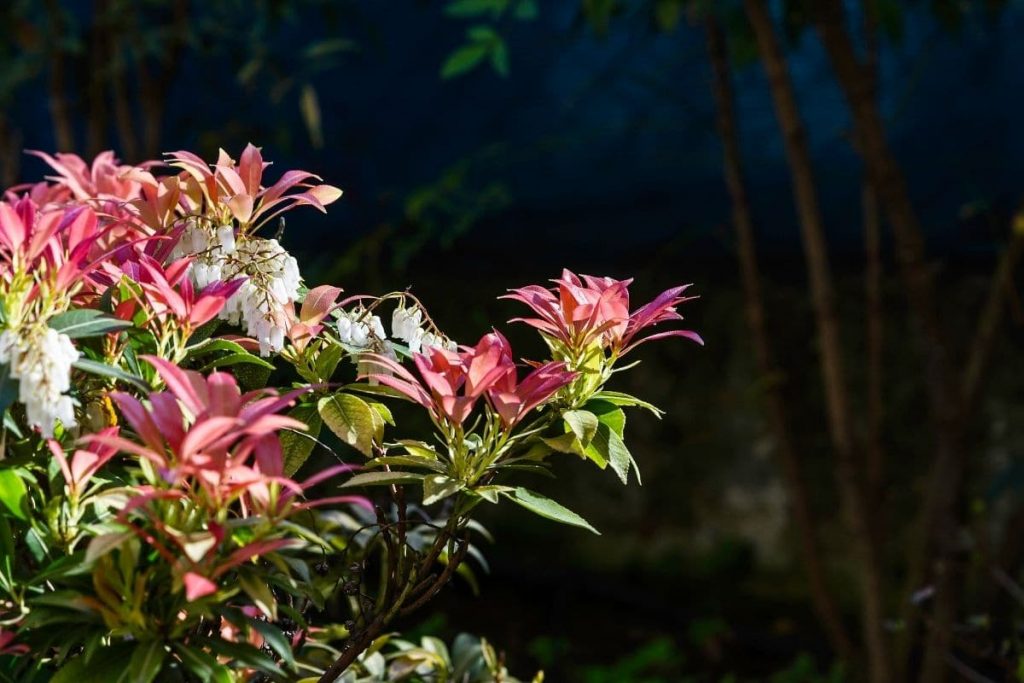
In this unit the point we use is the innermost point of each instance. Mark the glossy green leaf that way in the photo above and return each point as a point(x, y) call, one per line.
point(352, 420)
point(583, 425)
point(608, 414)
point(86, 322)
point(438, 487)
point(13, 493)
point(236, 359)
point(608, 448)
point(296, 446)
point(382, 479)
point(549, 509)
point(620, 399)
point(103, 370)
point(208, 346)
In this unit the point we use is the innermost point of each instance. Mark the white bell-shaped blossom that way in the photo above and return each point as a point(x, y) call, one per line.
point(405, 323)
point(40, 358)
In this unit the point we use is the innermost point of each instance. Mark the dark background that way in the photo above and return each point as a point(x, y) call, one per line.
point(598, 152)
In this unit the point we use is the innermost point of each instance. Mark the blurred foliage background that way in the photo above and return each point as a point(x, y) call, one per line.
point(485, 144)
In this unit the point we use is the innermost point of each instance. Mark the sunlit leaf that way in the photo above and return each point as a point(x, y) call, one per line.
point(549, 509)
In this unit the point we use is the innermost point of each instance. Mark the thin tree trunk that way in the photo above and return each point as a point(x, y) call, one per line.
point(823, 297)
point(98, 50)
point(875, 410)
point(122, 106)
point(60, 111)
point(939, 515)
point(824, 603)
point(991, 317)
point(874, 306)
point(10, 153)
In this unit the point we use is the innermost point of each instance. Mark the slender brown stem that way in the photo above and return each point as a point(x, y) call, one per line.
point(831, 358)
point(824, 603)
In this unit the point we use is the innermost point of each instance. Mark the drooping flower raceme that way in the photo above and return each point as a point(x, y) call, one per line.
point(40, 358)
point(265, 301)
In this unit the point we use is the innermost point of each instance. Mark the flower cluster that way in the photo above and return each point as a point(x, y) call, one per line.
point(40, 358)
point(266, 300)
point(453, 381)
point(167, 506)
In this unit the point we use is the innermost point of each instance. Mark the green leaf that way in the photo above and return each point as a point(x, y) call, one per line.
point(549, 509)
point(146, 662)
point(352, 420)
point(438, 487)
point(86, 322)
point(608, 414)
point(205, 667)
point(208, 346)
point(242, 653)
point(13, 493)
point(406, 461)
point(526, 10)
point(259, 591)
point(382, 479)
point(94, 367)
point(467, 9)
point(250, 376)
point(582, 424)
point(620, 399)
point(236, 359)
point(499, 58)
point(107, 664)
point(383, 411)
point(327, 361)
point(296, 446)
point(564, 443)
point(309, 107)
point(608, 447)
point(483, 34)
point(667, 14)
point(275, 639)
point(464, 59)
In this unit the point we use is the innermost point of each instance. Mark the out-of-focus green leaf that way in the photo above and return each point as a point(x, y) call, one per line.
point(667, 14)
point(309, 106)
point(464, 59)
point(146, 662)
point(467, 9)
